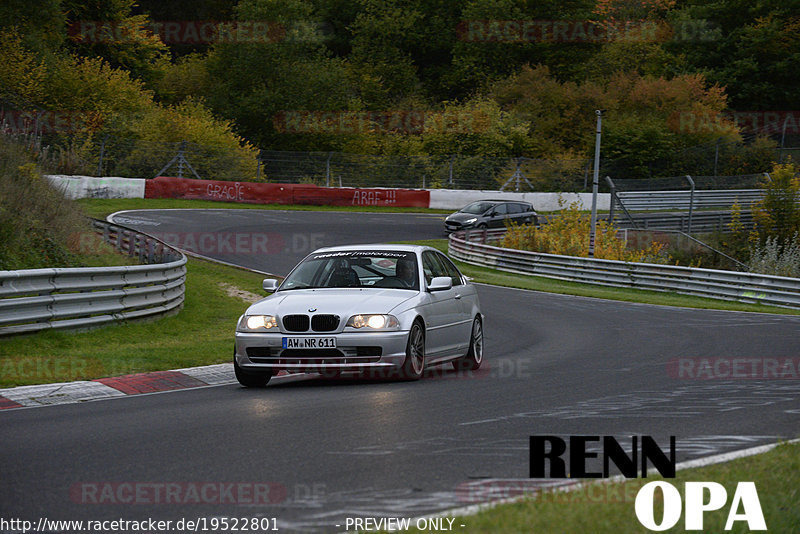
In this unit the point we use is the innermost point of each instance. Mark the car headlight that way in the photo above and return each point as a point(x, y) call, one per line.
point(256, 323)
point(471, 220)
point(373, 322)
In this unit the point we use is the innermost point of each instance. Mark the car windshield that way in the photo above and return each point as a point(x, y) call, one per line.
point(476, 208)
point(355, 268)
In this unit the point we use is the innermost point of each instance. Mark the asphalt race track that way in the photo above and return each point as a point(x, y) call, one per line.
point(274, 241)
point(334, 449)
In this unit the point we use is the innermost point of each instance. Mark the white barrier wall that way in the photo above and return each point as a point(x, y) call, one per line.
point(91, 187)
point(455, 199)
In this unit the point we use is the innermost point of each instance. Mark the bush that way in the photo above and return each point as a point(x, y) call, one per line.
point(568, 235)
point(35, 219)
point(777, 215)
point(776, 259)
point(39, 227)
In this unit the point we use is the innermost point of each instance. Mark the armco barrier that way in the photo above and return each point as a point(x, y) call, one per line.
point(40, 299)
point(268, 193)
point(471, 247)
point(682, 200)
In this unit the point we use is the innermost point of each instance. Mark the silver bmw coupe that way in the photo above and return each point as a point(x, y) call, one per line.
point(381, 310)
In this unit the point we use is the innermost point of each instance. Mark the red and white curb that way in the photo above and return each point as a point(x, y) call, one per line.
point(120, 386)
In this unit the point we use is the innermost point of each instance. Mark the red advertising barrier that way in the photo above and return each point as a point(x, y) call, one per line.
point(260, 193)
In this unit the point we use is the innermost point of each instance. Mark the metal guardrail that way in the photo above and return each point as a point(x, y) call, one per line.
point(700, 222)
point(681, 200)
point(471, 247)
point(39, 299)
point(690, 200)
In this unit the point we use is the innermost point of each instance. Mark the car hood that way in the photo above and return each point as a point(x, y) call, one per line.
point(342, 302)
point(461, 217)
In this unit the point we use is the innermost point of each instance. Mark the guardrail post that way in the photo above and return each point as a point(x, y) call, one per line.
point(691, 203)
point(622, 205)
point(613, 199)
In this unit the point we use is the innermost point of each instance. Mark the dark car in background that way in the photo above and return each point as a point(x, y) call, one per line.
point(491, 214)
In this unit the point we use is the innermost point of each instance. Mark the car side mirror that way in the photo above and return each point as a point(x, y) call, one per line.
point(440, 283)
point(270, 285)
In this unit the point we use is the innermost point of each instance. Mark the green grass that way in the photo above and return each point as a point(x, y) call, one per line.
point(100, 208)
point(550, 285)
point(201, 334)
point(609, 508)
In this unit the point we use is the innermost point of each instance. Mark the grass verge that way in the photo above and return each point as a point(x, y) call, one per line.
point(201, 334)
point(100, 208)
point(550, 285)
point(609, 507)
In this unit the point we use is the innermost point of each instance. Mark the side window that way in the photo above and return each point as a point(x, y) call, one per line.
point(501, 209)
point(514, 209)
point(451, 269)
point(526, 208)
point(431, 266)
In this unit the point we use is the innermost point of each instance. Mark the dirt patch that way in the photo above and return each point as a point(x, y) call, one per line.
point(233, 291)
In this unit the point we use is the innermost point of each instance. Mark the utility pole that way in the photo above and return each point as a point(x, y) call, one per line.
point(595, 180)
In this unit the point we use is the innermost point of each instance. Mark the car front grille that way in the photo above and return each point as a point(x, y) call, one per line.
point(324, 323)
point(295, 323)
point(315, 358)
point(319, 323)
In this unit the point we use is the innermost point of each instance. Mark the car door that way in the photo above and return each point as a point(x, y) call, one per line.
point(467, 298)
point(444, 312)
point(498, 216)
point(515, 213)
point(528, 214)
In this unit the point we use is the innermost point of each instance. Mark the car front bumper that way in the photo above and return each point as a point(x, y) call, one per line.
point(355, 352)
point(450, 227)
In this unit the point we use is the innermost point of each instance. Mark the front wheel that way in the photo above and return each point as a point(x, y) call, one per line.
point(251, 379)
point(415, 354)
point(474, 358)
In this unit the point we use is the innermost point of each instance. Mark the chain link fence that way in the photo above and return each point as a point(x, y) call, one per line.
point(449, 172)
point(64, 147)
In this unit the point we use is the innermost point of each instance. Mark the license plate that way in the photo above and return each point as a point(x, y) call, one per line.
point(309, 343)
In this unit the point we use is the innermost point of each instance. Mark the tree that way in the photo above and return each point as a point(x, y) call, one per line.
point(252, 83)
point(777, 216)
point(753, 50)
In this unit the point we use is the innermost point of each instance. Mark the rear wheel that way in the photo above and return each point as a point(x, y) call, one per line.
point(251, 379)
point(415, 354)
point(474, 358)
